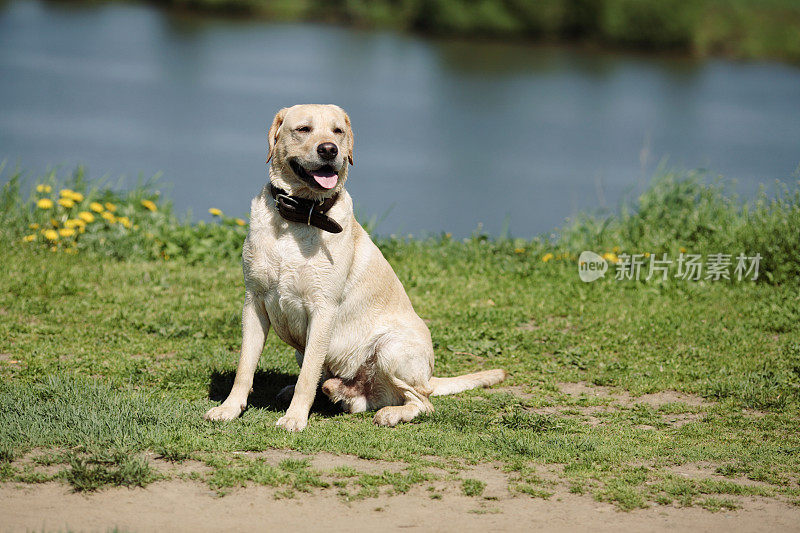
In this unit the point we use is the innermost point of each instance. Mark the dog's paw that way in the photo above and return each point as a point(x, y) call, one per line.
point(224, 412)
point(292, 423)
point(388, 416)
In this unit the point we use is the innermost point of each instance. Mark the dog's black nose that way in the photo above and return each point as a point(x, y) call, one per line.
point(327, 150)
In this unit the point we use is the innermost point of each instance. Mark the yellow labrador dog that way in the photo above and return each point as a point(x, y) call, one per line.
point(314, 275)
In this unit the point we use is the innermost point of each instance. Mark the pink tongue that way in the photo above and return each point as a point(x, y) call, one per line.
point(327, 179)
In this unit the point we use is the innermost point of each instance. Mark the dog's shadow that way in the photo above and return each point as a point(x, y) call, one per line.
point(266, 386)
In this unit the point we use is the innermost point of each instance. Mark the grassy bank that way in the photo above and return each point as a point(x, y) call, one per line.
point(738, 28)
point(116, 338)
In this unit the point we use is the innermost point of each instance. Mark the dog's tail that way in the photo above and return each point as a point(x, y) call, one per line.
point(486, 378)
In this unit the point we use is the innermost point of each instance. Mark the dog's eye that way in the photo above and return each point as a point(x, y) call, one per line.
point(303, 129)
point(337, 131)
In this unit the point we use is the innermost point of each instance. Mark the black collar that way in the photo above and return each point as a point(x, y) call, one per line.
point(309, 212)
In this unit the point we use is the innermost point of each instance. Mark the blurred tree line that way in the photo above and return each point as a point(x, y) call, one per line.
point(740, 28)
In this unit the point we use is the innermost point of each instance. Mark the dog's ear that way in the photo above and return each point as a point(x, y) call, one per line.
point(277, 122)
point(352, 139)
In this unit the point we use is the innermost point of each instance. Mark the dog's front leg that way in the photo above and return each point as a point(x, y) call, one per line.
point(255, 325)
point(319, 339)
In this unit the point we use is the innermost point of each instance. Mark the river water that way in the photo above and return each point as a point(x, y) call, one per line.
point(449, 134)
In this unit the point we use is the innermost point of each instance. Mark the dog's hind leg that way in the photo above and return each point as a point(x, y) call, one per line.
point(404, 362)
point(415, 402)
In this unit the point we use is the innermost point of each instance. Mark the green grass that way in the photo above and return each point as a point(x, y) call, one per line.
point(738, 28)
point(472, 487)
point(109, 357)
point(293, 475)
point(116, 469)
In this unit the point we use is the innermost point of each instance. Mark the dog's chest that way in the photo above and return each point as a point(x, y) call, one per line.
point(289, 274)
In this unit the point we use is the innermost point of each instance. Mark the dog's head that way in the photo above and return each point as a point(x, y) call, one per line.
point(309, 147)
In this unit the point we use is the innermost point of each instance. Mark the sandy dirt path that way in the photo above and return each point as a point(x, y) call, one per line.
point(189, 506)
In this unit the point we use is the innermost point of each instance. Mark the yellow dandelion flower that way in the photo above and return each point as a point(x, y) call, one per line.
point(647, 254)
point(111, 207)
point(609, 256)
point(45, 203)
point(66, 232)
point(97, 207)
point(519, 250)
point(51, 234)
point(547, 257)
point(76, 196)
point(54, 222)
point(216, 212)
point(125, 221)
point(239, 222)
point(43, 188)
point(66, 202)
point(150, 205)
point(109, 216)
point(66, 193)
point(74, 223)
point(29, 238)
point(86, 216)
point(33, 226)
point(683, 250)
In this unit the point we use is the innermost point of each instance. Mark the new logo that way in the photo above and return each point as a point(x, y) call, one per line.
point(591, 266)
